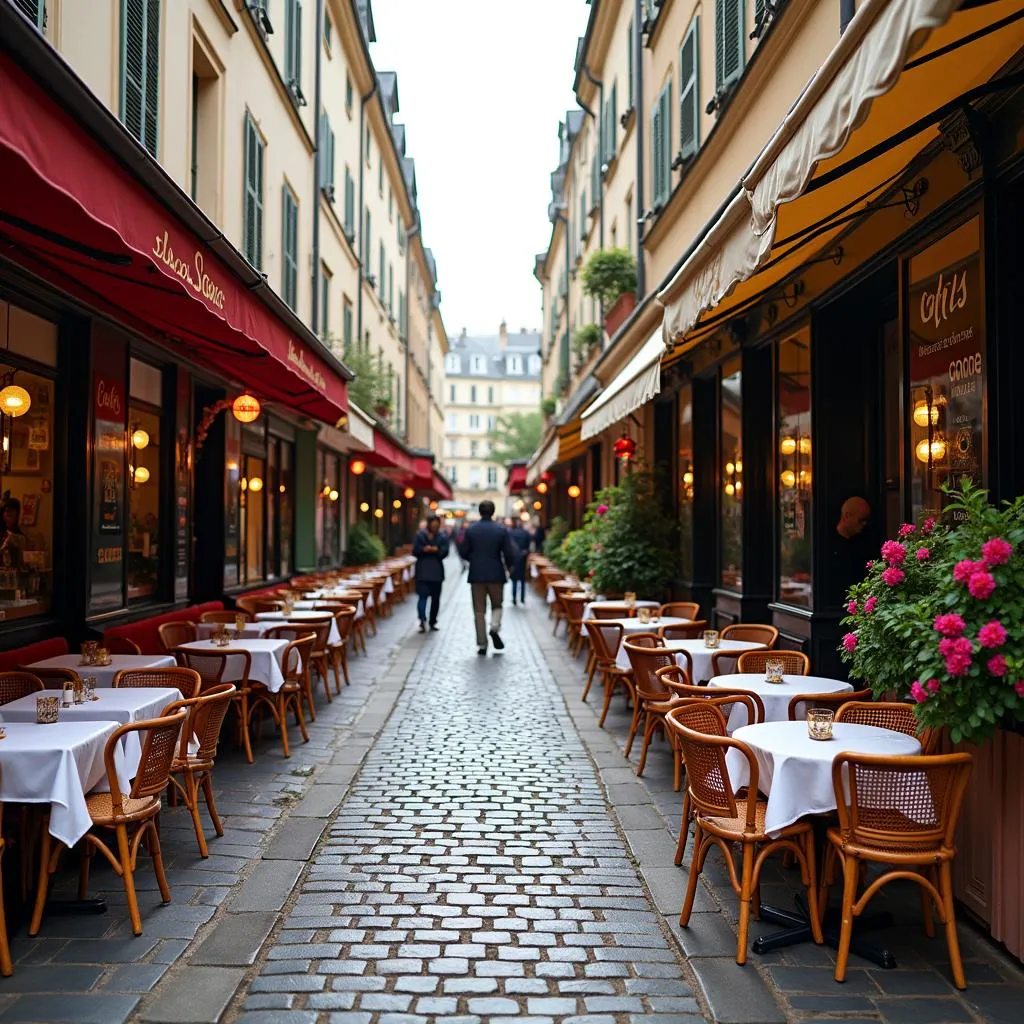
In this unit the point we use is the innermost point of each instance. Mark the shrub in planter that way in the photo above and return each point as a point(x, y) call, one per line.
point(548, 406)
point(557, 529)
point(364, 546)
point(939, 618)
point(585, 339)
point(609, 273)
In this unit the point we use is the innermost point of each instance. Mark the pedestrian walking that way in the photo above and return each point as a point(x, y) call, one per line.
point(539, 536)
point(489, 550)
point(521, 539)
point(430, 549)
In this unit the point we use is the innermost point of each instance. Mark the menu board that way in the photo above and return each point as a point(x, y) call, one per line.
point(948, 358)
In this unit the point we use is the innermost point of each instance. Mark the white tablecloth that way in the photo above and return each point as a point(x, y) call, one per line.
point(265, 655)
point(551, 590)
point(57, 765)
point(105, 673)
point(297, 618)
point(774, 696)
point(352, 597)
point(131, 704)
point(634, 625)
point(795, 772)
point(618, 606)
point(700, 655)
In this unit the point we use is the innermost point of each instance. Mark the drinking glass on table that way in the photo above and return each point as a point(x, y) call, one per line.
point(819, 723)
point(710, 637)
point(773, 671)
point(629, 599)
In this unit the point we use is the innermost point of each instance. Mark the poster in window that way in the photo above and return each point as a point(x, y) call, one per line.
point(947, 367)
point(108, 488)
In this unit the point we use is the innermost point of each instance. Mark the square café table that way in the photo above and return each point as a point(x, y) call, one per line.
point(120, 706)
point(105, 673)
point(57, 765)
point(265, 659)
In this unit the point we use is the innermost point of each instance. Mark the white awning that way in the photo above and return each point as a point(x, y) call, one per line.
point(357, 436)
point(864, 65)
point(637, 383)
point(360, 426)
point(542, 459)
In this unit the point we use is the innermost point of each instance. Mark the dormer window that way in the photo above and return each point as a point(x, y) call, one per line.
point(478, 364)
point(451, 362)
point(515, 364)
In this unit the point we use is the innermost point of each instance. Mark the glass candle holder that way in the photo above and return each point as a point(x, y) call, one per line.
point(78, 688)
point(90, 688)
point(89, 651)
point(819, 723)
point(102, 656)
point(47, 709)
point(710, 637)
point(629, 597)
point(644, 615)
point(240, 622)
point(773, 672)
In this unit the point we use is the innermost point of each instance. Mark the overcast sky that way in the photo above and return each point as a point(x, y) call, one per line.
point(482, 86)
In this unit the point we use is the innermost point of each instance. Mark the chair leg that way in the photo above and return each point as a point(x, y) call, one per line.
point(301, 721)
point(344, 664)
point(84, 863)
point(45, 856)
point(677, 766)
point(211, 804)
point(192, 799)
point(946, 891)
point(244, 712)
point(282, 718)
point(634, 725)
point(6, 967)
point(926, 905)
point(650, 724)
point(851, 873)
point(609, 686)
point(746, 894)
point(696, 864)
point(684, 829)
point(158, 861)
point(124, 856)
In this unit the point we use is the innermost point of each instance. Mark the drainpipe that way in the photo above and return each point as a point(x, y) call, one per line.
point(600, 150)
point(410, 234)
point(638, 102)
point(314, 319)
point(362, 253)
point(561, 215)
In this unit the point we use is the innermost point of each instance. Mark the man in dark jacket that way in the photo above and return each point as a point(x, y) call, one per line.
point(490, 553)
point(521, 539)
point(430, 549)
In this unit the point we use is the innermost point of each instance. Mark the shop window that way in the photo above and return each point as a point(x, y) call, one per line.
point(328, 509)
point(253, 518)
point(144, 461)
point(793, 422)
point(946, 333)
point(26, 473)
point(731, 475)
point(685, 483)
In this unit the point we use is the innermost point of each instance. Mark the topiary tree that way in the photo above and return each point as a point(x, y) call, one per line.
point(364, 546)
point(609, 273)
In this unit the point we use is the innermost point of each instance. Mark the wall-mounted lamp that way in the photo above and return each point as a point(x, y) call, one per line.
point(542, 488)
point(378, 513)
point(256, 484)
point(397, 503)
point(364, 506)
point(409, 494)
point(333, 495)
point(140, 439)
point(357, 467)
point(930, 452)
point(574, 491)
point(246, 408)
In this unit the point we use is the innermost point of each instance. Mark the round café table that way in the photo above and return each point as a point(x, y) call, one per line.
point(634, 625)
point(700, 655)
point(774, 696)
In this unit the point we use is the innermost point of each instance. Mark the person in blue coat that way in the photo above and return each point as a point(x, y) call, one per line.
point(491, 555)
point(430, 549)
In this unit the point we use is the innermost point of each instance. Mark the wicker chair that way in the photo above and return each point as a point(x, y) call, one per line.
point(800, 703)
point(691, 631)
point(224, 666)
point(725, 820)
point(572, 608)
point(894, 715)
point(121, 645)
point(297, 687)
point(185, 680)
point(766, 636)
point(794, 663)
point(227, 617)
point(344, 618)
point(255, 605)
point(15, 685)
point(297, 631)
point(131, 816)
point(900, 812)
point(605, 640)
point(608, 613)
point(647, 654)
point(197, 750)
point(174, 634)
point(52, 678)
point(681, 609)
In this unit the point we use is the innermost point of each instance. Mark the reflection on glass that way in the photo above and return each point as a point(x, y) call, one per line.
point(26, 500)
point(253, 519)
point(143, 502)
point(286, 508)
point(731, 475)
point(793, 419)
point(685, 482)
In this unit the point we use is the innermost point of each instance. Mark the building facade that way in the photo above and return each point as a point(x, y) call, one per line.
point(486, 378)
point(183, 258)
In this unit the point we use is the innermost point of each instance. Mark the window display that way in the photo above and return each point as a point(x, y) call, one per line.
point(685, 482)
point(144, 458)
point(731, 434)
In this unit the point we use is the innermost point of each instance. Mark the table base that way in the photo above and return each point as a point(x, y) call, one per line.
point(798, 930)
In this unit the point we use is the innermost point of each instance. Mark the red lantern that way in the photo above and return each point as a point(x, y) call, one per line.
point(245, 408)
point(625, 449)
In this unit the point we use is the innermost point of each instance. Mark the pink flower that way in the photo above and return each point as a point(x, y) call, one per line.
point(933, 686)
point(958, 664)
point(601, 509)
point(906, 529)
point(918, 692)
point(997, 665)
point(981, 585)
point(1019, 687)
point(949, 624)
point(946, 647)
point(963, 646)
point(869, 565)
point(869, 605)
point(851, 607)
point(893, 576)
point(996, 551)
point(850, 643)
point(922, 554)
point(963, 571)
point(894, 552)
point(928, 525)
point(992, 634)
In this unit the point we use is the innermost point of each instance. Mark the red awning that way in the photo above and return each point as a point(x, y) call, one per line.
point(73, 215)
point(516, 479)
point(441, 487)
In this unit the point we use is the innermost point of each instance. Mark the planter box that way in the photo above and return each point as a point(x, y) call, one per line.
point(617, 315)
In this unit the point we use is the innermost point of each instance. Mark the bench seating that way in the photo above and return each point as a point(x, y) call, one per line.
point(146, 632)
point(11, 660)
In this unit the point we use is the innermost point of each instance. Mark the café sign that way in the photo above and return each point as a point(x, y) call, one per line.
point(297, 357)
point(192, 271)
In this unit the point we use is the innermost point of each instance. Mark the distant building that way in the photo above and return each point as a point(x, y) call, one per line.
point(486, 377)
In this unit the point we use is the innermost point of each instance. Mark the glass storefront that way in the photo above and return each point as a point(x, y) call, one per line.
point(144, 481)
point(328, 508)
point(731, 435)
point(684, 484)
point(793, 454)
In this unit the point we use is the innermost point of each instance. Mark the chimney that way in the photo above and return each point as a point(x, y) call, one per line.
point(503, 334)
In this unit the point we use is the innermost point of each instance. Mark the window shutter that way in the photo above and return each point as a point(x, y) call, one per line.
point(140, 69)
point(728, 41)
point(289, 247)
point(656, 143)
point(613, 120)
point(350, 202)
point(34, 10)
point(629, 63)
point(380, 281)
point(293, 45)
point(689, 93)
point(595, 179)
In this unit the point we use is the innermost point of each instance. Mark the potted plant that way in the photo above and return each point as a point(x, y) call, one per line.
point(609, 275)
point(557, 530)
point(584, 340)
point(364, 546)
point(939, 618)
point(548, 406)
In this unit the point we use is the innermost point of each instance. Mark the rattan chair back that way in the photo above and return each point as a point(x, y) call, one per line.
point(794, 663)
point(14, 685)
point(174, 634)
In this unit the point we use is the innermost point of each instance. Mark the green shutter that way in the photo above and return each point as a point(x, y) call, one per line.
point(629, 59)
point(612, 120)
point(728, 41)
point(34, 10)
point(689, 92)
point(325, 304)
point(656, 145)
point(595, 179)
point(293, 45)
point(350, 202)
point(289, 247)
point(140, 70)
point(346, 326)
point(380, 279)
point(253, 223)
